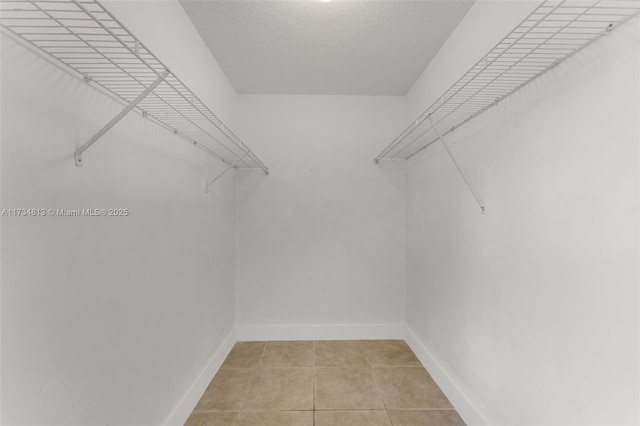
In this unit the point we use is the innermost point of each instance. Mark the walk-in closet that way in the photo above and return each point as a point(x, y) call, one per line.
point(319, 212)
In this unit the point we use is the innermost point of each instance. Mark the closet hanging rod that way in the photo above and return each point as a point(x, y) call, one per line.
point(554, 31)
point(86, 38)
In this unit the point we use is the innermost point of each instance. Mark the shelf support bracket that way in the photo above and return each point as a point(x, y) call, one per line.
point(114, 120)
point(206, 189)
point(473, 191)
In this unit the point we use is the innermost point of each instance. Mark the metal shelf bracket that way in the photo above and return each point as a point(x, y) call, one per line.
point(232, 166)
point(466, 180)
point(118, 117)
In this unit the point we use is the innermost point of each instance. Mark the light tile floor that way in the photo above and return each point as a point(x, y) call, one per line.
point(323, 383)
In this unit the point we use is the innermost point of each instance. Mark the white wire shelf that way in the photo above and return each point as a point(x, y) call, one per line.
point(86, 38)
point(551, 33)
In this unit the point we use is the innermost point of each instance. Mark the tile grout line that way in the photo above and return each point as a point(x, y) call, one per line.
point(244, 400)
point(375, 383)
point(386, 409)
point(314, 367)
point(262, 410)
point(313, 371)
point(264, 349)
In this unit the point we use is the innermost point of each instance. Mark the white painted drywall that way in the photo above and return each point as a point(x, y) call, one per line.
point(321, 239)
point(109, 320)
point(532, 308)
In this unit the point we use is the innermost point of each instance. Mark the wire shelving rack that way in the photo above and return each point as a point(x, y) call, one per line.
point(553, 32)
point(87, 39)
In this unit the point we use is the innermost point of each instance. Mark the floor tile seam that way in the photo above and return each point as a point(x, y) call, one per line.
point(278, 410)
point(351, 409)
point(313, 372)
point(397, 366)
point(422, 409)
point(276, 367)
point(344, 366)
point(264, 349)
point(384, 402)
point(336, 367)
point(255, 410)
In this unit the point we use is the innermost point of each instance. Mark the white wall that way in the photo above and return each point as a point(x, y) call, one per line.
point(532, 308)
point(109, 320)
point(321, 239)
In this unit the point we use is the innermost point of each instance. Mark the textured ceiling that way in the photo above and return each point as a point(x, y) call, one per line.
point(340, 47)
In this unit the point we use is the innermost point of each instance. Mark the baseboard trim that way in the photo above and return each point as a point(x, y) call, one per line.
point(321, 332)
point(467, 409)
point(181, 413)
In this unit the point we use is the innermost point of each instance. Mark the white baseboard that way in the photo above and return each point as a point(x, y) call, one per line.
point(468, 410)
point(321, 332)
point(181, 413)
